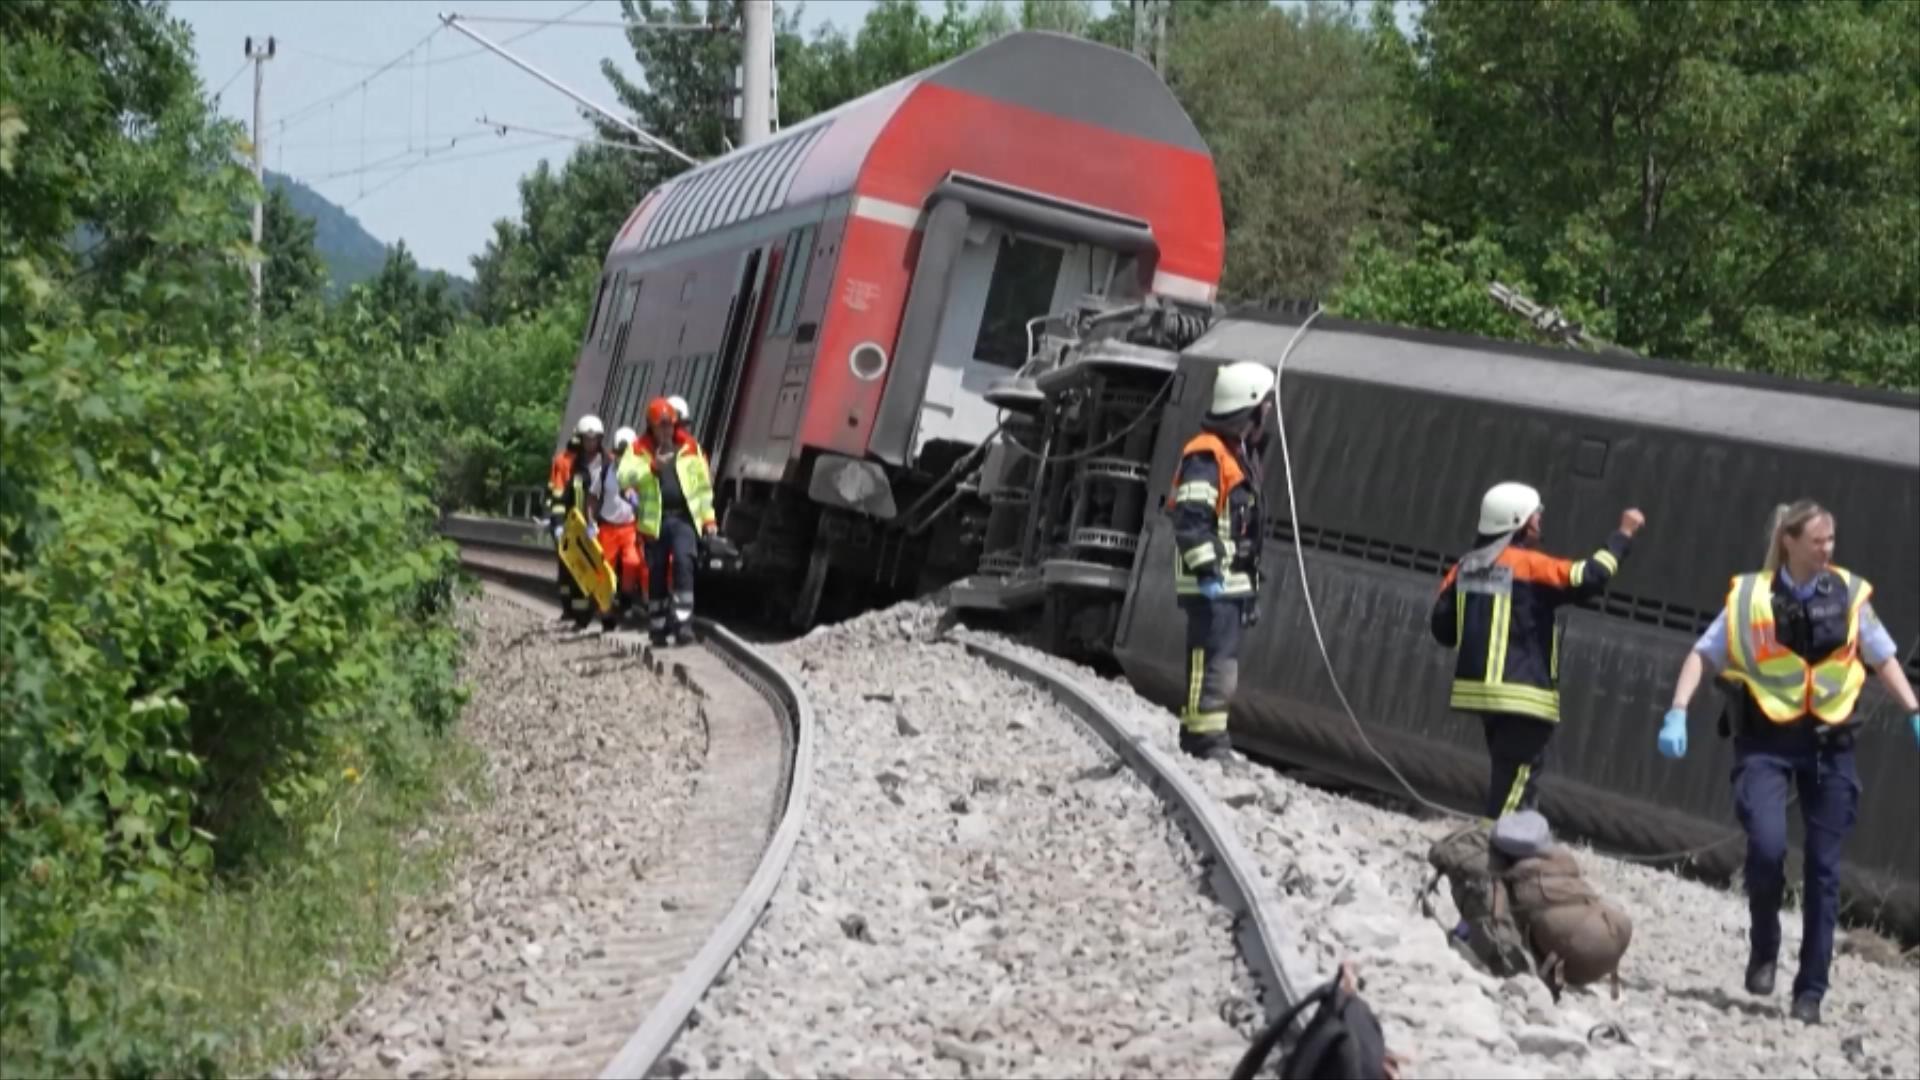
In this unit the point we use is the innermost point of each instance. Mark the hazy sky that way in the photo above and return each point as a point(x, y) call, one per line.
point(443, 205)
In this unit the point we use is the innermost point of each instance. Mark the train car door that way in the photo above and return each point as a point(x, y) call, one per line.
point(720, 390)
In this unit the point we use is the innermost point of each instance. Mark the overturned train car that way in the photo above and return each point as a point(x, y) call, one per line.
point(835, 303)
point(1394, 434)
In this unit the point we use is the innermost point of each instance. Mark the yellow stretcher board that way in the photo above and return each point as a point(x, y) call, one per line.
point(582, 557)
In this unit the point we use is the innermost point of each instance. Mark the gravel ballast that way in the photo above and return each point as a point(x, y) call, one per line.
point(979, 889)
point(591, 759)
point(1348, 873)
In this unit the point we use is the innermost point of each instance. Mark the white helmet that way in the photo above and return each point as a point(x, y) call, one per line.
point(623, 438)
point(680, 406)
point(589, 425)
point(1238, 387)
point(1506, 507)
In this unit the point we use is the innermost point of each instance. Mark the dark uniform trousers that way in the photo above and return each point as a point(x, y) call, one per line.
point(1516, 754)
point(1213, 669)
point(1768, 764)
point(679, 539)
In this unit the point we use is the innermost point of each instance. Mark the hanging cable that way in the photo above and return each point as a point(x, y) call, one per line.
point(1326, 658)
point(237, 72)
point(382, 185)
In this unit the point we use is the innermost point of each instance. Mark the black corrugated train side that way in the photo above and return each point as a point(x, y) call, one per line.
point(1395, 434)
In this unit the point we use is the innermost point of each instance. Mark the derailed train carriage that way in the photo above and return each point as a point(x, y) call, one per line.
point(835, 302)
point(1394, 434)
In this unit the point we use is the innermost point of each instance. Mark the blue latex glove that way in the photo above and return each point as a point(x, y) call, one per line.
point(558, 532)
point(1212, 588)
point(1915, 721)
point(593, 531)
point(1673, 734)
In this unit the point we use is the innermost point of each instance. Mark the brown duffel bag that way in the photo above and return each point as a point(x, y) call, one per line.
point(1577, 936)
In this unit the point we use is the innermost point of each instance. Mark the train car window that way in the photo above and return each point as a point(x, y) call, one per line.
point(1024, 277)
point(606, 328)
point(599, 302)
point(793, 279)
point(805, 334)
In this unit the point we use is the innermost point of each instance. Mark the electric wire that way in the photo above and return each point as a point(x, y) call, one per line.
point(236, 74)
point(1326, 658)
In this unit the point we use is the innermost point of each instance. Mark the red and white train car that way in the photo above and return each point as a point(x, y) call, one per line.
point(834, 302)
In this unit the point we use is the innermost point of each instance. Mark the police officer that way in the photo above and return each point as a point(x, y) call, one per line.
point(1498, 610)
point(574, 481)
point(1216, 535)
point(673, 496)
point(1794, 643)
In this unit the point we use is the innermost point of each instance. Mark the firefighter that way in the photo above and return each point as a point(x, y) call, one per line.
point(1793, 643)
point(1216, 531)
point(619, 539)
point(1497, 608)
point(568, 482)
point(673, 497)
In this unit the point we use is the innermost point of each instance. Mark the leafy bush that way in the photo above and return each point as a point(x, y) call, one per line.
point(219, 608)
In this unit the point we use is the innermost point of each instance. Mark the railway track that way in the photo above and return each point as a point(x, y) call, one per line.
point(730, 851)
point(745, 694)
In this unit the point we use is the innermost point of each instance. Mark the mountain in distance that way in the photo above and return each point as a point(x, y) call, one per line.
point(351, 253)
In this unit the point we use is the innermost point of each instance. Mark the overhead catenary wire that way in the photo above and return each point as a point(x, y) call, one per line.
point(503, 127)
point(411, 166)
point(237, 72)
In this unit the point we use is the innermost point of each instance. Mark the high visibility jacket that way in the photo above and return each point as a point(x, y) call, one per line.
point(1216, 517)
point(637, 474)
point(1498, 611)
point(1797, 658)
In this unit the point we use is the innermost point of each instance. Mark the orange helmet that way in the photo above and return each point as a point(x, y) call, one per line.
point(661, 411)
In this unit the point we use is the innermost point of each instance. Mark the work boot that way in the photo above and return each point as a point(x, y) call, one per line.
point(1806, 1009)
point(684, 635)
point(1760, 977)
point(1212, 746)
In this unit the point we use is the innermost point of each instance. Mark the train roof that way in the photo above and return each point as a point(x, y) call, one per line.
point(1880, 426)
point(1061, 77)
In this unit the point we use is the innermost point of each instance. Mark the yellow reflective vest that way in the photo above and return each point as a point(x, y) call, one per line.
point(1780, 681)
point(689, 465)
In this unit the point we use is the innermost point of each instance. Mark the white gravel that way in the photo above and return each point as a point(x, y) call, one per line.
point(587, 788)
point(1349, 873)
point(979, 889)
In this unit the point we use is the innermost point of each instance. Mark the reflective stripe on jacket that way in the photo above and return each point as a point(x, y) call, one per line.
point(1216, 520)
point(1773, 662)
point(689, 466)
point(1499, 613)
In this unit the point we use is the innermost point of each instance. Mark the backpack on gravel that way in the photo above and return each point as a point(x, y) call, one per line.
point(1474, 870)
point(1343, 1041)
point(1577, 935)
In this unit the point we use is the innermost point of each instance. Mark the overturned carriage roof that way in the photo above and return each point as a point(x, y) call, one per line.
point(1879, 426)
point(893, 145)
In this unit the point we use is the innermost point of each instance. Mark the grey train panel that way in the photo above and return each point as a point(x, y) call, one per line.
point(1391, 476)
point(1075, 80)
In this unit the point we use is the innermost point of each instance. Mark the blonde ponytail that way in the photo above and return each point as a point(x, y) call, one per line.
point(1789, 520)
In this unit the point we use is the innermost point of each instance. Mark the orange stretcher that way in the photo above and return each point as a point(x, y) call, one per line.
point(582, 557)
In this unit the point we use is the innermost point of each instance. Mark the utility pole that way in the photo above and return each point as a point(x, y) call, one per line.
point(756, 74)
point(259, 57)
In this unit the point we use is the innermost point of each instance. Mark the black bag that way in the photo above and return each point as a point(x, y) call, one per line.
point(1342, 1042)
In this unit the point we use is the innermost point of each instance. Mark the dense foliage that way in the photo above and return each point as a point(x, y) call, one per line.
point(219, 610)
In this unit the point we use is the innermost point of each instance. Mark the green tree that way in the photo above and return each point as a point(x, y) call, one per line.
point(291, 272)
point(212, 595)
point(1302, 117)
point(1734, 182)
